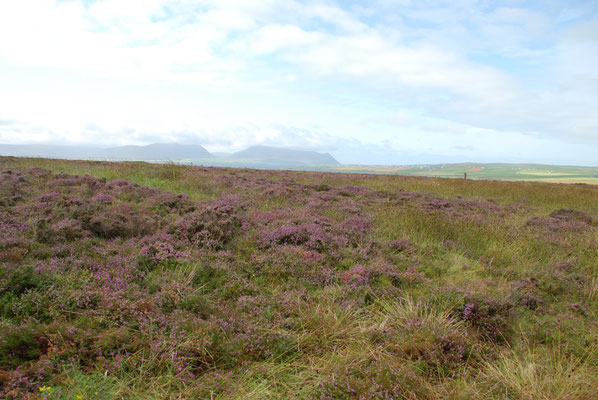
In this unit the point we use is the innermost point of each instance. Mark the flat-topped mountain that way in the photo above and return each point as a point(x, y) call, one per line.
point(156, 151)
point(282, 156)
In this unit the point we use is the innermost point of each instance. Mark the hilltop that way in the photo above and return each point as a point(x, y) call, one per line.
point(156, 151)
point(281, 156)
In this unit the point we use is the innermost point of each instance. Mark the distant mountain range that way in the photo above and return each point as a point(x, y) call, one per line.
point(47, 151)
point(156, 151)
point(274, 155)
point(256, 156)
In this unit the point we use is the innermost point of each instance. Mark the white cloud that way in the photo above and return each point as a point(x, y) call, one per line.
point(250, 67)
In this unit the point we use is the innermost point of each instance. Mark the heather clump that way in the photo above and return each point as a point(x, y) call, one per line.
point(119, 183)
point(159, 249)
point(567, 214)
point(562, 221)
point(315, 233)
point(309, 235)
point(104, 198)
point(354, 228)
point(439, 352)
point(212, 225)
point(12, 229)
point(13, 187)
point(169, 202)
point(122, 221)
point(59, 181)
point(351, 190)
point(60, 231)
point(490, 316)
point(527, 293)
point(49, 198)
point(464, 208)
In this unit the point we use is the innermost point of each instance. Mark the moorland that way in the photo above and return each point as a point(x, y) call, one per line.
point(142, 281)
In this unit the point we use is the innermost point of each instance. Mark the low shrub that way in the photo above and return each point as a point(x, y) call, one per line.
point(211, 226)
point(19, 345)
point(490, 316)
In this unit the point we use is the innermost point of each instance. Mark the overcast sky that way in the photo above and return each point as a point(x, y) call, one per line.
point(376, 81)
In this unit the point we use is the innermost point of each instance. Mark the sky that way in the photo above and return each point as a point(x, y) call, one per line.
point(371, 82)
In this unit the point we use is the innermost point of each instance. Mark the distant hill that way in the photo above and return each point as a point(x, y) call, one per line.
point(47, 151)
point(253, 157)
point(156, 151)
point(284, 157)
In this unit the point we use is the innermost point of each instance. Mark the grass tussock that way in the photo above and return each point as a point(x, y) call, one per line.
point(530, 372)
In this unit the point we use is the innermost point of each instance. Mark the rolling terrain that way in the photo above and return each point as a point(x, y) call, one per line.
point(133, 280)
point(254, 157)
point(510, 172)
point(267, 157)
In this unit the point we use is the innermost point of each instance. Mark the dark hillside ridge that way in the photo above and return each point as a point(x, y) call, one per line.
point(256, 156)
point(156, 151)
point(275, 155)
point(47, 151)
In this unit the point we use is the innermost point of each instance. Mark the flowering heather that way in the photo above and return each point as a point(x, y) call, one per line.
point(400, 245)
point(312, 236)
point(103, 198)
point(490, 316)
point(212, 225)
point(51, 197)
point(527, 293)
point(557, 224)
point(355, 227)
point(160, 248)
point(236, 283)
point(567, 214)
point(168, 202)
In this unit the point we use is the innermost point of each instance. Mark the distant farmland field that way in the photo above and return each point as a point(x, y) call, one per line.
point(153, 281)
point(512, 172)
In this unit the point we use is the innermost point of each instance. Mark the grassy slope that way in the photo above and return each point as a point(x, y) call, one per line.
point(477, 303)
point(512, 172)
